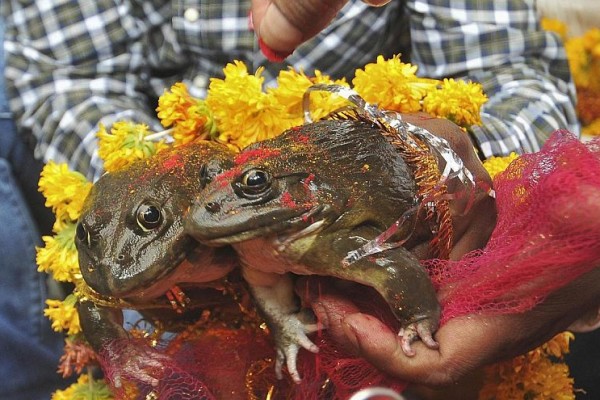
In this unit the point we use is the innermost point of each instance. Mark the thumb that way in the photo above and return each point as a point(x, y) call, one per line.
point(436, 367)
point(283, 25)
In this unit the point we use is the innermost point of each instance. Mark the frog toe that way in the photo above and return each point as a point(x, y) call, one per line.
point(293, 337)
point(289, 356)
point(421, 329)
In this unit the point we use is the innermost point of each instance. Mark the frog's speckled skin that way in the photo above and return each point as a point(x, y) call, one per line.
point(299, 203)
point(130, 237)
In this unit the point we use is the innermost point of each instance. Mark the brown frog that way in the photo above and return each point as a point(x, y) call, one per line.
point(132, 245)
point(299, 204)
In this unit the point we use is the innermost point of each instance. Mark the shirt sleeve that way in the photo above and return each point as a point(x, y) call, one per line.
point(523, 69)
point(72, 66)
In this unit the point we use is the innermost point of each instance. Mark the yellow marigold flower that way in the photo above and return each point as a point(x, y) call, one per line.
point(458, 101)
point(592, 129)
point(556, 26)
point(244, 113)
point(579, 61)
point(125, 143)
point(291, 86)
point(64, 190)
point(591, 40)
point(58, 257)
point(85, 388)
point(495, 165)
point(63, 314)
point(592, 44)
point(190, 117)
point(392, 85)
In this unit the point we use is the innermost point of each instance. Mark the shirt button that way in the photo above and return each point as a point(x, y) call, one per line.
point(200, 81)
point(191, 14)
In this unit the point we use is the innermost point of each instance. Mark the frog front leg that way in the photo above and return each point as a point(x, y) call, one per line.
point(101, 326)
point(275, 297)
point(399, 278)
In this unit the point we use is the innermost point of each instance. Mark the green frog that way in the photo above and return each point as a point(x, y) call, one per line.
point(132, 246)
point(298, 204)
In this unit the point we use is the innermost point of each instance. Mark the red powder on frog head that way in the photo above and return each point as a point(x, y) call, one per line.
point(287, 200)
point(155, 168)
point(308, 180)
point(175, 161)
point(255, 155)
point(301, 138)
point(225, 177)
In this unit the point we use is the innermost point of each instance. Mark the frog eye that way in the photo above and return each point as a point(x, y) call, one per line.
point(149, 217)
point(254, 182)
point(82, 234)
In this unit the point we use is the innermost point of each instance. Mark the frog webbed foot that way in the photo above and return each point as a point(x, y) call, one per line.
point(291, 335)
point(423, 329)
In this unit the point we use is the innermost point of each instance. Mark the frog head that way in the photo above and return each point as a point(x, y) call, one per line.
point(302, 182)
point(130, 235)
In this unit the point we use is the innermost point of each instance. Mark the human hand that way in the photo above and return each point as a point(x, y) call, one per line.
point(466, 343)
point(473, 217)
point(472, 341)
point(282, 25)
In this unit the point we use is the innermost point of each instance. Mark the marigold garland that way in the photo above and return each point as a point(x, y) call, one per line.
point(85, 388)
point(393, 85)
point(190, 118)
point(237, 111)
point(64, 191)
point(125, 143)
point(243, 111)
point(64, 315)
point(58, 257)
point(457, 101)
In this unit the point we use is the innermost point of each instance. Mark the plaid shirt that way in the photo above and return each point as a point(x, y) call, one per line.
point(72, 64)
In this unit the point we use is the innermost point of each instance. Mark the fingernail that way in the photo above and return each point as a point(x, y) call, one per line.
point(270, 54)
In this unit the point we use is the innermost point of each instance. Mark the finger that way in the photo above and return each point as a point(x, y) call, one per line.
point(462, 346)
point(283, 25)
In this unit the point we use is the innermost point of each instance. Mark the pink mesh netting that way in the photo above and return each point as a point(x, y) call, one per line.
point(548, 234)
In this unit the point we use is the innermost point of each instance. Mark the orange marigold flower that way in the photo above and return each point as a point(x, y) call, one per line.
point(77, 355)
point(533, 375)
point(190, 117)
